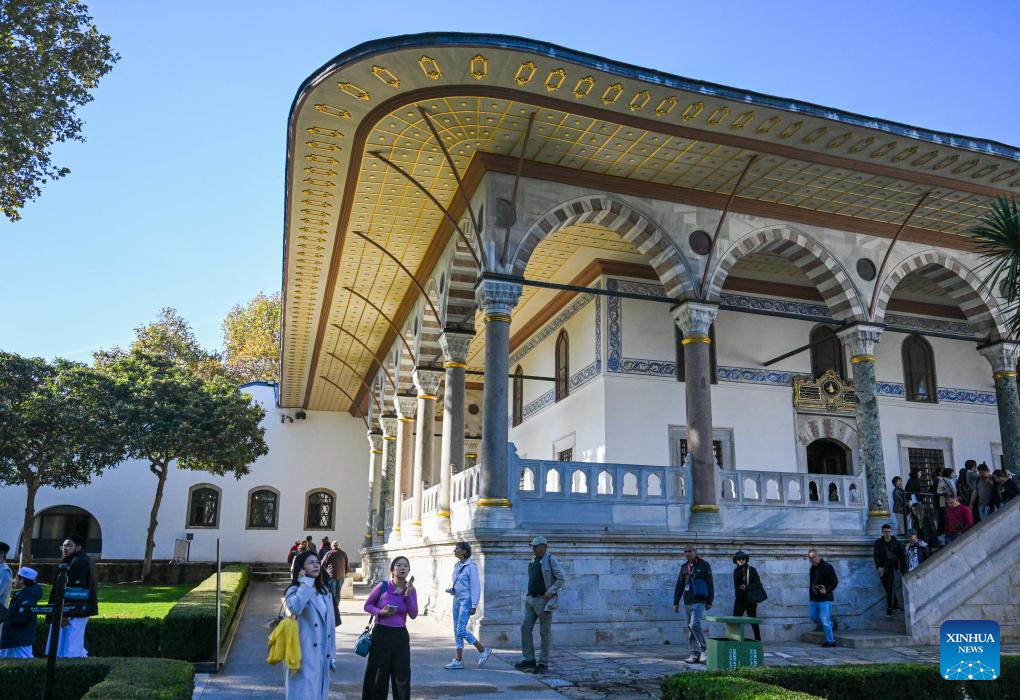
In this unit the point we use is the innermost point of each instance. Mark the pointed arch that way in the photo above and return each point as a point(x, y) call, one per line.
point(670, 265)
point(562, 365)
point(960, 283)
point(818, 264)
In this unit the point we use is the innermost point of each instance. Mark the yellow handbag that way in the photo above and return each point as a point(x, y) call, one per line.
point(285, 645)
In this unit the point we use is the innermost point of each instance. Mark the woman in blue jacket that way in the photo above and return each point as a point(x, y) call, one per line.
point(18, 630)
point(466, 591)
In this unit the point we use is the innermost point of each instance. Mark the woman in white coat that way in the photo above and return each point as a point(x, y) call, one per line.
point(310, 601)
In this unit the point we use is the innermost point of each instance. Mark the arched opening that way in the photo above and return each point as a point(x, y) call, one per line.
point(53, 525)
point(562, 366)
point(204, 506)
point(825, 456)
point(320, 510)
point(518, 394)
point(919, 370)
point(826, 352)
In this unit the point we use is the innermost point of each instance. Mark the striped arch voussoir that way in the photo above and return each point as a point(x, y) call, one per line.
point(960, 283)
point(820, 266)
point(644, 234)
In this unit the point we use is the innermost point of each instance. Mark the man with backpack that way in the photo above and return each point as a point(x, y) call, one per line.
point(694, 586)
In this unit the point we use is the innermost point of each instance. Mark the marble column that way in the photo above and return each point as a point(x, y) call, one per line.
point(374, 482)
point(427, 383)
point(388, 423)
point(1003, 358)
point(471, 447)
point(860, 345)
point(496, 298)
point(695, 319)
point(406, 407)
point(455, 348)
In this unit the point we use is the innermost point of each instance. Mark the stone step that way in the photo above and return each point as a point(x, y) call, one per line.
point(861, 639)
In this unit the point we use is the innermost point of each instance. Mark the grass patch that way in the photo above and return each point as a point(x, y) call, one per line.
point(135, 600)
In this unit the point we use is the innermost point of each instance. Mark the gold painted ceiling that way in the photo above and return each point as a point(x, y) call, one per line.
point(592, 116)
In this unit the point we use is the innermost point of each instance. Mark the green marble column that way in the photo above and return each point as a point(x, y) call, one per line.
point(1003, 359)
point(388, 423)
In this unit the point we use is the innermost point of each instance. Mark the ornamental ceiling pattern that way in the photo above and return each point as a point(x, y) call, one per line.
point(592, 116)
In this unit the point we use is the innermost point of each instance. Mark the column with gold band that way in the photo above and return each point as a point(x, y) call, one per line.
point(407, 407)
point(388, 423)
point(426, 381)
point(496, 298)
point(1003, 358)
point(374, 483)
point(695, 319)
point(455, 348)
point(860, 341)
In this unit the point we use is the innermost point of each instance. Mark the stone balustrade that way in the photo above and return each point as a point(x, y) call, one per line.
point(430, 500)
point(406, 510)
point(464, 485)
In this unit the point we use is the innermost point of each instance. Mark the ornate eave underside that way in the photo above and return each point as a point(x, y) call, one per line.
point(592, 116)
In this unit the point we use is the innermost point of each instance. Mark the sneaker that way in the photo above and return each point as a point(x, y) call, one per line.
point(484, 656)
point(702, 658)
point(454, 665)
point(540, 668)
point(692, 659)
point(828, 645)
point(524, 665)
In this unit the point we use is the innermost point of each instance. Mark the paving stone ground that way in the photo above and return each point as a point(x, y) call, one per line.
point(620, 673)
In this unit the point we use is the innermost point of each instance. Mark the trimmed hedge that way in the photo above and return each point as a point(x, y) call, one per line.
point(1005, 687)
point(112, 636)
point(714, 686)
point(100, 679)
point(189, 629)
point(894, 681)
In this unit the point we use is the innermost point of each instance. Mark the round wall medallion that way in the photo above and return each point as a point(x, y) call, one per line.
point(700, 242)
point(866, 269)
point(473, 409)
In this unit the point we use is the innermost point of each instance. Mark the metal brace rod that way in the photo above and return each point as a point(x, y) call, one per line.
point(401, 265)
point(386, 318)
point(375, 357)
point(341, 390)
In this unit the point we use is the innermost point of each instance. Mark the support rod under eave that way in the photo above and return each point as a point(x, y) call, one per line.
point(718, 228)
point(386, 318)
point(375, 357)
point(517, 181)
point(401, 265)
point(453, 166)
point(888, 252)
point(371, 392)
point(354, 401)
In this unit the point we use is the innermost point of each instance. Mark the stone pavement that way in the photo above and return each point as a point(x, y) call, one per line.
point(617, 672)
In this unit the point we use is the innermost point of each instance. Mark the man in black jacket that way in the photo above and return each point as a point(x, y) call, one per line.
point(890, 559)
point(822, 581)
point(694, 585)
point(81, 575)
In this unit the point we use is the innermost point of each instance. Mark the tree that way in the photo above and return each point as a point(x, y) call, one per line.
point(251, 339)
point(51, 58)
point(998, 241)
point(59, 427)
point(172, 415)
point(170, 337)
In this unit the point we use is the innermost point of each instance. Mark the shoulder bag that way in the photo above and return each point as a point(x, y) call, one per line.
point(364, 642)
point(755, 591)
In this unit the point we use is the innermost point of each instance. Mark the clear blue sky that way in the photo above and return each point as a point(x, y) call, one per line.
point(176, 198)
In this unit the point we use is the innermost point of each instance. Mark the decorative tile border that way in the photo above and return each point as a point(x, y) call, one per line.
point(576, 381)
point(800, 308)
point(969, 397)
point(928, 324)
point(748, 375)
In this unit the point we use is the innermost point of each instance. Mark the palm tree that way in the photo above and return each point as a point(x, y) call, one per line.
point(997, 234)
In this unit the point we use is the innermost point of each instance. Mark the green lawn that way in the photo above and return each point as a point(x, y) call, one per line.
point(136, 600)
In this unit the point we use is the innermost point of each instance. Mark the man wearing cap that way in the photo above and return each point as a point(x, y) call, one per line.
point(19, 630)
point(81, 574)
point(545, 580)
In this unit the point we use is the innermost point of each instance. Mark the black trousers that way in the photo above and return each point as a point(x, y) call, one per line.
point(889, 584)
point(741, 606)
point(389, 665)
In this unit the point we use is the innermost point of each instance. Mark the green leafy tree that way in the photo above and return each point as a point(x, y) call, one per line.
point(59, 427)
point(171, 338)
point(173, 416)
point(997, 234)
point(51, 58)
point(251, 339)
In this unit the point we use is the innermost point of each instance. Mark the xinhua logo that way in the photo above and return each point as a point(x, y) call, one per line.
point(969, 650)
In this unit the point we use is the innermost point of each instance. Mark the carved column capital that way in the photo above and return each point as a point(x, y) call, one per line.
point(695, 318)
point(497, 298)
point(860, 342)
point(1002, 357)
point(375, 442)
point(455, 346)
point(389, 427)
point(426, 381)
point(406, 405)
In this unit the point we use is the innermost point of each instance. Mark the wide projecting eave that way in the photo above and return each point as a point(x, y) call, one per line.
point(677, 139)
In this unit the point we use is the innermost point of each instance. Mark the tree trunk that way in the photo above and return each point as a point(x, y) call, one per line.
point(160, 470)
point(32, 487)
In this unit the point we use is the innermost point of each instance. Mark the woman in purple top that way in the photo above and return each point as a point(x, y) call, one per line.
point(389, 661)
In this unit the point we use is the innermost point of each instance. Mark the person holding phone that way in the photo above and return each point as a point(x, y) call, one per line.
point(822, 581)
point(389, 660)
point(309, 601)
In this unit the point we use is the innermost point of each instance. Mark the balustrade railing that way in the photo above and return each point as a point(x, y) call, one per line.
point(464, 485)
point(793, 489)
point(592, 481)
point(430, 500)
point(406, 509)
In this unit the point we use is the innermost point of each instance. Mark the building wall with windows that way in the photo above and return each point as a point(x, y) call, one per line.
point(325, 452)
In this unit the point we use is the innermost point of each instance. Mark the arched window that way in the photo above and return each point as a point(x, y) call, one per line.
point(518, 392)
point(826, 352)
point(562, 366)
point(680, 371)
point(204, 506)
point(919, 370)
point(263, 505)
point(319, 510)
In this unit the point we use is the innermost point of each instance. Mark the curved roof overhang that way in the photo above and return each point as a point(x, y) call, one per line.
point(598, 120)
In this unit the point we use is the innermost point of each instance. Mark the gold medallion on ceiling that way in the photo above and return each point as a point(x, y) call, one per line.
point(525, 73)
point(354, 91)
point(816, 134)
point(639, 100)
point(555, 79)
point(430, 67)
point(612, 94)
point(790, 130)
point(839, 141)
point(320, 171)
point(323, 145)
point(322, 131)
point(718, 115)
point(318, 183)
point(904, 154)
point(479, 66)
point(964, 167)
point(316, 203)
point(333, 111)
point(946, 162)
point(742, 120)
point(584, 86)
point(987, 170)
point(316, 158)
point(316, 193)
point(925, 159)
point(766, 126)
point(666, 106)
point(692, 111)
point(884, 149)
point(862, 144)
point(386, 76)
point(1006, 175)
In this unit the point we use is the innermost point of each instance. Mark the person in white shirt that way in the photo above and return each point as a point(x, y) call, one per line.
point(466, 592)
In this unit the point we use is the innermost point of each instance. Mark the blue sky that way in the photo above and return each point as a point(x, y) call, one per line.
point(176, 199)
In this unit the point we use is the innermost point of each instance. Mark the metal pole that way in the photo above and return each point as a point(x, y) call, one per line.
point(219, 610)
point(55, 620)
